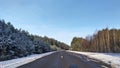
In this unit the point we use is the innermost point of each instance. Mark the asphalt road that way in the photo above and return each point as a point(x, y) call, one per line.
point(65, 59)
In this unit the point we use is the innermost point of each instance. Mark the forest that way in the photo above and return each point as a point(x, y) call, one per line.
point(16, 43)
point(105, 40)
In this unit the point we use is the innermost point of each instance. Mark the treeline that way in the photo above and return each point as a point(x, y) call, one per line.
point(16, 43)
point(106, 40)
point(54, 44)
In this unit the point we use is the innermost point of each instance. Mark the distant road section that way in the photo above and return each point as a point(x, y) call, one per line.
point(64, 59)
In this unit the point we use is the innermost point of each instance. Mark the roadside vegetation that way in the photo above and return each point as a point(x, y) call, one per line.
point(106, 40)
point(15, 43)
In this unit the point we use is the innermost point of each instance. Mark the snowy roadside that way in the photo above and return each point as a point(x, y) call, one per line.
point(21, 61)
point(112, 59)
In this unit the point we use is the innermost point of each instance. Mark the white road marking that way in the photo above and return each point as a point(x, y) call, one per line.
point(61, 57)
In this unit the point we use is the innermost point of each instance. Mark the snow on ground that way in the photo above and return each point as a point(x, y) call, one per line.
point(21, 61)
point(110, 58)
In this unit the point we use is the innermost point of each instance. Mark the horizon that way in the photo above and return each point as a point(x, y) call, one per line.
point(61, 20)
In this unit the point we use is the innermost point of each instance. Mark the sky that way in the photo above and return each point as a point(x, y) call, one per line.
point(61, 19)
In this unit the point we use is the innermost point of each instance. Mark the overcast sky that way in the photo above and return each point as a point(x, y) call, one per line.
point(61, 19)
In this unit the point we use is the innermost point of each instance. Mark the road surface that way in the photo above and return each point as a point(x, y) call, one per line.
point(65, 59)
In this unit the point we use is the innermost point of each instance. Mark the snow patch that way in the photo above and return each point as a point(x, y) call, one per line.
point(112, 59)
point(21, 61)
